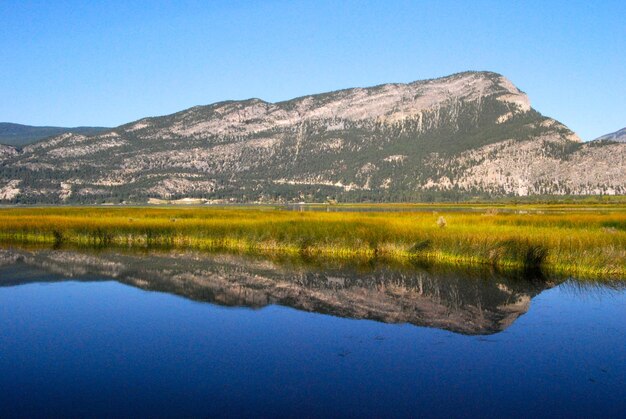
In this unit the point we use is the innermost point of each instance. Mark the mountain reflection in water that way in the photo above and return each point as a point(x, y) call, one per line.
point(461, 302)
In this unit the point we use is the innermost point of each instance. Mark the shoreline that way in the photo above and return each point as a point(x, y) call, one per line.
point(566, 243)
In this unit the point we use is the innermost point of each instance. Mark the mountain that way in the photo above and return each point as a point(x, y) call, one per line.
point(470, 134)
point(618, 136)
point(21, 135)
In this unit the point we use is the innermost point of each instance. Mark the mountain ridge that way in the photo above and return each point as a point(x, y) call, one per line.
point(470, 134)
point(19, 135)
point(617, 136)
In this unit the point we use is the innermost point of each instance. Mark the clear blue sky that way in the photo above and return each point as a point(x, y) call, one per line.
point(106, 63)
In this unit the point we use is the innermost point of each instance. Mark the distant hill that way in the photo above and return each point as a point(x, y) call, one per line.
point(618, 136)
point(20, 135)
point(468, 135)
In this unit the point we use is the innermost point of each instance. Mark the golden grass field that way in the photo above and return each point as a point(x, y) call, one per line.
point(585, 241)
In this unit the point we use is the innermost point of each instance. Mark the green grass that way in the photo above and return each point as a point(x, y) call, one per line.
point(578, 240)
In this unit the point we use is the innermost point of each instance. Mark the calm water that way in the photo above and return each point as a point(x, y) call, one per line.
point(112, 335)
point(450, 208)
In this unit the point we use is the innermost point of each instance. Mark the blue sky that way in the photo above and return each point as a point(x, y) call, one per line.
point(106, 63)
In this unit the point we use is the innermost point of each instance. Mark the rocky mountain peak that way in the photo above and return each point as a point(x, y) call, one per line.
point(468, 134)
point(386, 104)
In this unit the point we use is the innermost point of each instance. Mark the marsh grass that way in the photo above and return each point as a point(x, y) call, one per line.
point(589, 243)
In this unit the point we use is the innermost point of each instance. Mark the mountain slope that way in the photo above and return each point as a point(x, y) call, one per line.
point(469, 134)
point(21, 135)
point(617, 136)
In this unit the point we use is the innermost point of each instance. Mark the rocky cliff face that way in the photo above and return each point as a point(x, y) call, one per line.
point(467, 134)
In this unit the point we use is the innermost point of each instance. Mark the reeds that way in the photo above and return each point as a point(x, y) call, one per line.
point(588, 243)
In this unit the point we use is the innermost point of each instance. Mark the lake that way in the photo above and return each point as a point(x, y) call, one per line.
point(117, 334)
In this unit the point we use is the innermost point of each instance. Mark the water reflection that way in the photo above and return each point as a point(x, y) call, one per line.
point(462, 302)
